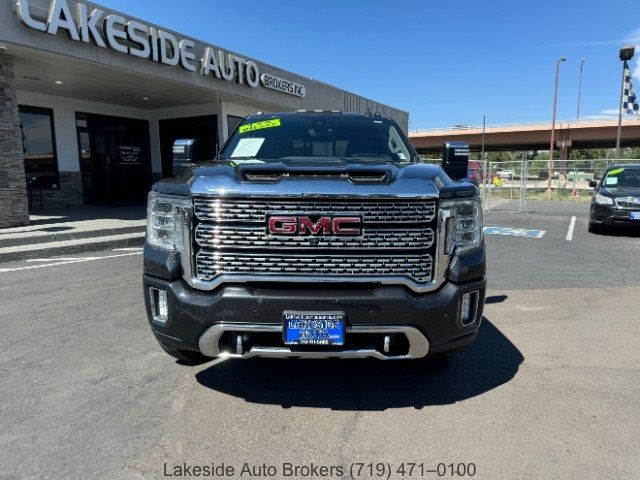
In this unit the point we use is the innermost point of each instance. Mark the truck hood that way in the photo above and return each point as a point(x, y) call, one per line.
point(313, 178)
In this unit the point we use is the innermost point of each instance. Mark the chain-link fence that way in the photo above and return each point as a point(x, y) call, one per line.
point(510, 185)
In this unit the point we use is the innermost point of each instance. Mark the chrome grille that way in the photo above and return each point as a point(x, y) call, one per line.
point(211, 236)
point(226, 210)
point(230, 242)
point(211, 264)
point(628, 202)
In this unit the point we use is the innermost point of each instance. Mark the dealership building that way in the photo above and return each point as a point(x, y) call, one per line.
point(92, 100)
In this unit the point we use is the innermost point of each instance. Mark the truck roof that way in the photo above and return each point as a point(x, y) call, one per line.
point(309, 113)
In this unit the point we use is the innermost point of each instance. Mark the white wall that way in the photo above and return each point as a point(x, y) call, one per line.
point(64, 121)
point(64, 118)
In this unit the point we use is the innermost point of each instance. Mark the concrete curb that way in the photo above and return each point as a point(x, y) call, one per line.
point(65, 236)
point(72, 247)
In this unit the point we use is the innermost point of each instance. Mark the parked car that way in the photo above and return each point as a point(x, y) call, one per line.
point(616, 199)
point(475, 172)
point(508, 174)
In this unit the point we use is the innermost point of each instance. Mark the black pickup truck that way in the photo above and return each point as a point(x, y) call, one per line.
point(315, 235)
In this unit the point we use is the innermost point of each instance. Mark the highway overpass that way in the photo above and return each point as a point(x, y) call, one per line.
point(531, 136)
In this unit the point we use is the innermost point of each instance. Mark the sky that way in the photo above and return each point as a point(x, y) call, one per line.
point(446, 62)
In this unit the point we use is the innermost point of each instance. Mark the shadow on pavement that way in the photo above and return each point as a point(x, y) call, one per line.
point(89, 212)
point(631, 231)
point(54, 229)
point(369, 384)
point(495, 299)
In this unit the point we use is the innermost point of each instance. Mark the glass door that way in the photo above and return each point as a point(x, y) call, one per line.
point(114, 158)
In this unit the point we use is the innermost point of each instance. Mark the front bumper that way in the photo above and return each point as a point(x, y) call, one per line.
point(611, 214)
point(417, 324)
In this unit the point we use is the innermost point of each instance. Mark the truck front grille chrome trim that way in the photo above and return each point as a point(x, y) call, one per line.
point(209, 343)
point(426, 279)
point(222, 210)
point(211, 236)
point(210, 264)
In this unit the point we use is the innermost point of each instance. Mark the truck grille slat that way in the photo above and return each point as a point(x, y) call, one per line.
point(223, 210)
point(211, 264)
point(222, 236)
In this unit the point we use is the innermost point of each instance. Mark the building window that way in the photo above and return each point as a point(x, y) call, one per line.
point(38, 146)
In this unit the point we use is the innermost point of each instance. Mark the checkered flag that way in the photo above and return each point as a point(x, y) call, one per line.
point(629, 99)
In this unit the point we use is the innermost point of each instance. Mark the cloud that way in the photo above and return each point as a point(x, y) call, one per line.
point(632, 38)
point(608, 112)
point(595, 117)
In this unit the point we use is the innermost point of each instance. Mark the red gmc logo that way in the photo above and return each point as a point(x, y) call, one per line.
point(281, 225)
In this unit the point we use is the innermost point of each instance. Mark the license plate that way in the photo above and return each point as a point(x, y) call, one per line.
point(634, 215)
point(313, 328)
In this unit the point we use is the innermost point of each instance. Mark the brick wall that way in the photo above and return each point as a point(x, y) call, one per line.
point(13, 191)
point(69, 195)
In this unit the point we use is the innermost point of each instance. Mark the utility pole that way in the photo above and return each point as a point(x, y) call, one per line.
point(580, 90)
point(484, 163)
point(553, 125)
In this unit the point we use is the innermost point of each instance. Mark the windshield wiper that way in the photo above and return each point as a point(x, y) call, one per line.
point(370, 155)
point(370, 158)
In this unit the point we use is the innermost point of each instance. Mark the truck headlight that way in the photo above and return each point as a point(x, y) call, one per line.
point(466, 223)
point(166, 217)
point(602, 200)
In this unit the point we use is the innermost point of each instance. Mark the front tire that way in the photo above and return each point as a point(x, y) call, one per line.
point(187, 357)
point(595, 228)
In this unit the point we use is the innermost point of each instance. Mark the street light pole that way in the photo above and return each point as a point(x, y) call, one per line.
point(553, 124)
point(484, 164)
point(580, 90)
point(626, 54)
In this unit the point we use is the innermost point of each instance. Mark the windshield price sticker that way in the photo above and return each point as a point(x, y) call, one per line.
point(250, 127)
point(247, 147)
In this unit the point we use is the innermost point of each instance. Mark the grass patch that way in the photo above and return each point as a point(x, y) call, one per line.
point(557, 194)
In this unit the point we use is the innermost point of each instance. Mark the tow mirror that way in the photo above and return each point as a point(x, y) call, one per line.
point(593, 183)
point(184, 151)
point(455, 159)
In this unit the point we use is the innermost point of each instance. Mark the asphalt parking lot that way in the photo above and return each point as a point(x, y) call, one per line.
point(551, 389)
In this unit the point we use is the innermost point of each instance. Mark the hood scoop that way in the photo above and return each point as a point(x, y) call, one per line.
point(353, 177)
point(274, 174)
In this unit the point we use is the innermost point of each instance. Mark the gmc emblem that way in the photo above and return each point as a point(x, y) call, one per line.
point(281, 225)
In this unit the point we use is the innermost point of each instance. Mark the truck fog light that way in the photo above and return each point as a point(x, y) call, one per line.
point(159, 305)
point(469, 308)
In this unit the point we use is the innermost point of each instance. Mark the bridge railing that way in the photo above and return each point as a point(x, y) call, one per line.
point(559, 124)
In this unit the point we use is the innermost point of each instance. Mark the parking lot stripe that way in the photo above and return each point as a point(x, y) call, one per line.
point(65, 262)
point(572, 225)
point(59, 259)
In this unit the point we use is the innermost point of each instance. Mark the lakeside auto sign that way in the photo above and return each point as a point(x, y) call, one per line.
point(91, 25)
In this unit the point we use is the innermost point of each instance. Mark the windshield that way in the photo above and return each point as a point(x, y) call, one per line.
point(622, 178)
point(271, 138)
